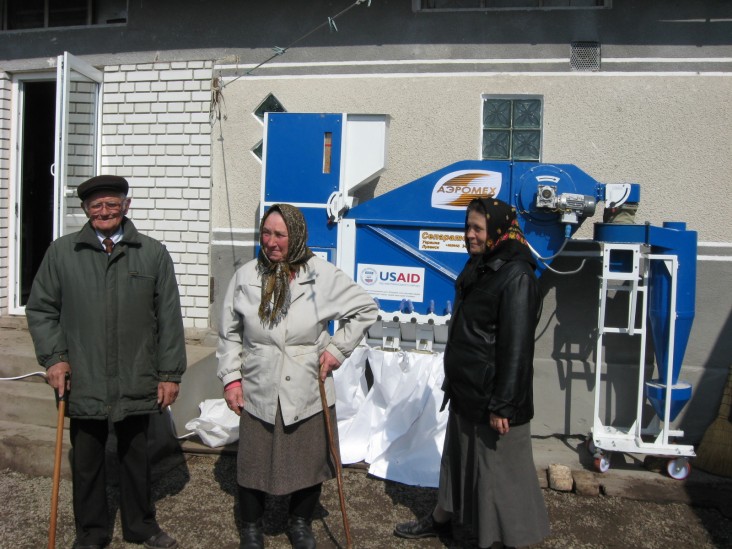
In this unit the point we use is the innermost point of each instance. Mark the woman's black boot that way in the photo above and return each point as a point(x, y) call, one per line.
point(252, 536)
point(300, 533)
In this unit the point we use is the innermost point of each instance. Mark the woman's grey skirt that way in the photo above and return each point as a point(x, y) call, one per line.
point(489, 482)
point(279, 459)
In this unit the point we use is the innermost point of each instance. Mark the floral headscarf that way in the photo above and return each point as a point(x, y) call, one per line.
point(275, 300)
point(505, 241)
point(501, 222)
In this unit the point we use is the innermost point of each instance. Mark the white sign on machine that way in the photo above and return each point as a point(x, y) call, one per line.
point(442, 241)
point(393, 282)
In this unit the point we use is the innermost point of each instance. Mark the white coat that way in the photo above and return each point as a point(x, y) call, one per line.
point(282, 362)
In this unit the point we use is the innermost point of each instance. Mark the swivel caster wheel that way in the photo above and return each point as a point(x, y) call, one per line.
point(602, 463)
point(678, 468)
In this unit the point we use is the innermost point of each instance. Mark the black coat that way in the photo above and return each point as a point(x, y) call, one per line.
point(490, 349)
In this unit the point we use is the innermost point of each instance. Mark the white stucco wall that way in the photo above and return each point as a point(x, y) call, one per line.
point(667, 131)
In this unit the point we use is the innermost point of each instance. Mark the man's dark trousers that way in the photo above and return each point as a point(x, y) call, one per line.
point(137, 512)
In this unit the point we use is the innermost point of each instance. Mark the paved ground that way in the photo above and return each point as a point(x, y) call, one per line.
point(196, 503)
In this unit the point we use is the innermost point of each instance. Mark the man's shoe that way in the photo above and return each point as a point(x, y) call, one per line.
point(251, 536)
point(78, 545)
point(161, 540)
point(426, 527)
point(300, 533)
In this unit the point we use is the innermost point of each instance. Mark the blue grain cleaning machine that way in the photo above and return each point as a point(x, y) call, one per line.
point(406, 248)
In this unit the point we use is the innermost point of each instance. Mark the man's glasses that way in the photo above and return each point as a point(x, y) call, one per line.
point(98, 206)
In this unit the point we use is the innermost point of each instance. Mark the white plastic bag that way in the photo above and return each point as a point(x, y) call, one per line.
point(217, 425)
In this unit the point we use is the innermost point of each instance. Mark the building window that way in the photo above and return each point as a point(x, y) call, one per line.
point(511, 128)
point(270, 104)
point(258, 150)
point(490, 5)
point(41, 14)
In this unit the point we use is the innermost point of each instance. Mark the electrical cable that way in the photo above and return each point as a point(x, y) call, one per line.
point(561, 249)
point(578, 269)
point(544, 260)
point(330, 22)
point(40, 374)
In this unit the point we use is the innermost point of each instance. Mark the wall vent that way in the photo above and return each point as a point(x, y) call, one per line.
point(585, 56)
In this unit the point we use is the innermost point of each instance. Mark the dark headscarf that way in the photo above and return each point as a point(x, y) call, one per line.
point(501, 222)
point(505, 239)
point(276, 276)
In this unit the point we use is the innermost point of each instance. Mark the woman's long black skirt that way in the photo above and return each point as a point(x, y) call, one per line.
point(489, 482)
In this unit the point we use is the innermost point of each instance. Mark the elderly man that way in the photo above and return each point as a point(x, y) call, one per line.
point(104, 313)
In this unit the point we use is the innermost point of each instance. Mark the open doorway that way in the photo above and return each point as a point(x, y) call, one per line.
point(56, 147)
point(36, 197)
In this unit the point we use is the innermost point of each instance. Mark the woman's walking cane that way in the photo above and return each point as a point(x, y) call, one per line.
point(336, 460)
point(57, 466)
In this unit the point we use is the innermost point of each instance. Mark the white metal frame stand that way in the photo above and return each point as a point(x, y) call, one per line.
point(605, 438)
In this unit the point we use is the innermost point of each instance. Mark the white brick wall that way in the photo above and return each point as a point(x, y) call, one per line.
point(156, 133)
point(4, 189)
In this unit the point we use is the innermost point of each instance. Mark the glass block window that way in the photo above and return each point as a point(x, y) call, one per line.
point(270, 104)
point(257, 150)
point(511, 128)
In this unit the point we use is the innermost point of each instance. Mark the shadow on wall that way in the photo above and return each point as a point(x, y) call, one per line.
point(574, 345)
point(567, 335)
point(706, 394)
point(572, 328)
point(569, 329)
point(228, 257)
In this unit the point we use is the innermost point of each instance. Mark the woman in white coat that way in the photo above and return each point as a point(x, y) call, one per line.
point(274, 345)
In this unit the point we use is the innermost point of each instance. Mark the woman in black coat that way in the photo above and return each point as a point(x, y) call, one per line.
point(488, 479)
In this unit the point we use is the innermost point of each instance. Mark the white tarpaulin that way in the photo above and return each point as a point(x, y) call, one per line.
point(396, 427)
point(217, 425)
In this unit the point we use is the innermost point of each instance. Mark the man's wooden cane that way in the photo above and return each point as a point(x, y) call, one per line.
point(336, 460)
point(57, 466)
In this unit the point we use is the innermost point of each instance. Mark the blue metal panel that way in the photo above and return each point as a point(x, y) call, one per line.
point(671, 239)
point(389, 229)
point(395, 248)
point(674, 240)
point(427, 201)
point(568, 178)
point(295, 156)
point(542, 228)
point(321, 234)
point(437, 201)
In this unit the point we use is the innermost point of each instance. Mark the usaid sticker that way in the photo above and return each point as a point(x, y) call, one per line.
point(392, 282)
point(455, 190)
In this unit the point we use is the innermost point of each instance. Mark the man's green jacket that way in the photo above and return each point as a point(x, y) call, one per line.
point(115, 319)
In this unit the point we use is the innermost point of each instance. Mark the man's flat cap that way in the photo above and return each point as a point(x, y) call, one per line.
point(112, 183)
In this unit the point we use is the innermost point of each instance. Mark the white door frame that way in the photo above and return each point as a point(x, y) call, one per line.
point(66, 65)
point(15, 176)
point(62, 76)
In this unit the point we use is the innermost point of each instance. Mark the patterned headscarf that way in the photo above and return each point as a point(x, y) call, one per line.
point(501, 222)
point(276, 276)
point(504, 241)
